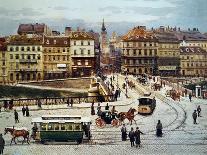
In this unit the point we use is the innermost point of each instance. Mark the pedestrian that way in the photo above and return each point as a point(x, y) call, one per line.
point(137, 137)
point(107, 107)
point(190, 97)
point(5, 105)
point(123, 133)
point(99, 110)
point(194, 117)
point(71, 102)
point(0, 108)
point(68, 102)
point(11, 104)
point(23, 110)
point(131, 137)
point(159, 129)
point(34, 131)
point(16, 116)
point(199, 111)
point(186, 92)
point(119, 94)
point(39, 104)
point(92, 109)
point(2, 144)
point(27, 111)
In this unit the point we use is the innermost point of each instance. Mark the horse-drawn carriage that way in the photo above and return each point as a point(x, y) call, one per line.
point(106, 117)
point(156, 86)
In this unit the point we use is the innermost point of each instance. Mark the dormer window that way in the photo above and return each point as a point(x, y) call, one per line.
point(28, 48)
point(22, 49)
point(47, 42)
point(65, 42)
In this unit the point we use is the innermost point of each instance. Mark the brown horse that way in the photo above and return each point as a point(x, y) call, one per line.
point(129, 115)
point(17, 133)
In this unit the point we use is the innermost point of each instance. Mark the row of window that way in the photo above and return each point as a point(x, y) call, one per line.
point(141, 52)
point(140, 44)
point(80, 62)
point(140, 61)
point(56, 50)
point(61, 127)
point(25, 56)
point(82, 52)
point(56, 58)
point(82, 43)
point(22, 48)
point(194, 57)
point(140, 70)
point(195, 64)
point(27, 76)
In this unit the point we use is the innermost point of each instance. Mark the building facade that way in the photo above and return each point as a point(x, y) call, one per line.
point(56, 57)
point(83, 58)
point(24, 59)
point(193, 61)
point(3, 63)
point(139, 51)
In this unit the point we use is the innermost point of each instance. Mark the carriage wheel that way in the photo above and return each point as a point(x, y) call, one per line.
point(100, 123)
point(115, 123)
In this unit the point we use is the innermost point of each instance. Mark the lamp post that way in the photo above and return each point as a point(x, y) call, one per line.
point(126, 79)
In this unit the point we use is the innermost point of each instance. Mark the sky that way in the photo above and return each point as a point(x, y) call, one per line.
point(119, 15)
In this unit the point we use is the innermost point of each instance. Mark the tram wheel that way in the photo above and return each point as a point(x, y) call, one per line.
point(115, 123)
point(100, 123)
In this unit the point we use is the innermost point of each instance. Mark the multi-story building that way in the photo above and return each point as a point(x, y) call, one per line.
point(3, 62)
point(56, 57)
point(168, 52)
point(24, 59)
point(36, 29)
point(139, 51)
point(193, 61)
point(82, 53)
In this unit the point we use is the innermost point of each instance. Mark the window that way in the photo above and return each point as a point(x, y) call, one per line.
point(63, 58)
point(17, 48)
point(140, 52)
point(63, 50)
point(22, 56)
point(134, 61)
point(70, 127)
point(54, 58)
point(3, 63)
point(38, 57)
point(11, 49)
point(134, 52)
point(56, 126)
point(50, 126)
point(28, 48)
point(150, 52)
point(86, 62)
point(89, 52)
point(88, 42)
point(82, 51)
point(38, 48)
point(62, 126)
point(33, 56)
point(11, 56)
point(145, 45)
point(28, 57)
point(22, 48)
point(33, 48)
point(127, 52)
point(79, 62)
point(43, 127)
point(11, 77)
point(49, 57)
point(58, 57)
point(77, 127)
point(17, 56)
point(74, 42)
point(145, 52)
point(17, 76)
point(75, 52)
point(58, 50)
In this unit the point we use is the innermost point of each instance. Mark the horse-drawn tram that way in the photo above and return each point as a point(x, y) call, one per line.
point(147, 104)
point(62, 128)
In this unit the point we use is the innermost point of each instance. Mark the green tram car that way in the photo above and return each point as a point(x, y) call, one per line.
point(62, 128)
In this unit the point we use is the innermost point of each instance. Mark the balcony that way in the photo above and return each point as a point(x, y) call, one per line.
point(29, 70)
point(27, 61)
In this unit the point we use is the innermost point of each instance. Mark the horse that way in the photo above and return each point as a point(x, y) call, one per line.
point(129, 115)
point(17, 133)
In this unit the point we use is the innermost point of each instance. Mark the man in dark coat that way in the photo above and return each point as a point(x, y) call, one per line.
point(27, 111)
point(5, 105)
point(2, 144)
point(199, 111)
point(123, 133)
point(131, 137)
point(190, 97)
point(92, 109)
point(23, 110)
point(16, 116)
point(107, 107)
point(194, 115)
point(159, 129)
point(137, 136)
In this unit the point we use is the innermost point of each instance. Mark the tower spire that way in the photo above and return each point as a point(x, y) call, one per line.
point(103, 26)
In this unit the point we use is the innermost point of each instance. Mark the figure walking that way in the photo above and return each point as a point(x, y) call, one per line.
point(16, 116)
point(190, 97)
point(123, 133)
point(131, 137)
point(92, 109)
point(39, 104)
point(27, 111)
point(34, 131)
point(194, 117)
point(137, 137)
point(23, 110)
point(199, 111)
point(159, 129)
point(107, 107)
point(2, 144)
point(71, 102)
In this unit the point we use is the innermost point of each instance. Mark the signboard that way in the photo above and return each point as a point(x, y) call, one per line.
point(167, 67)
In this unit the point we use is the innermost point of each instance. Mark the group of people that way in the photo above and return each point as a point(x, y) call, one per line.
point(7, 105)
point(196, 113)
point(134, 136)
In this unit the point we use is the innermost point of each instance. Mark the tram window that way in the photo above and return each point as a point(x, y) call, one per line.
point(77, 127)
point(56, 126)
point(50, 126)
point(43, 127)
point(70, 127)
point(62, 126)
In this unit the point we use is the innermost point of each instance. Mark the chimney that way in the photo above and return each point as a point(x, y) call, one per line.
point(67, 30)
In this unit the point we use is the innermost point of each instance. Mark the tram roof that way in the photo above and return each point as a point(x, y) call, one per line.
point(146, 97)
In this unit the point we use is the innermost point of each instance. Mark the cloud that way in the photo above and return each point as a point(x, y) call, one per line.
point(112, 9)
point(26, 12)
point(60, 8)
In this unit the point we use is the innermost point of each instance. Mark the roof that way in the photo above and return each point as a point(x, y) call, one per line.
point(139, 34)
point(31, 28)
point(192, 50)
point(190, 35)
point(81, 35)
point(3, 46)
point(166, 37)
point(56, 41)
point(24, 40)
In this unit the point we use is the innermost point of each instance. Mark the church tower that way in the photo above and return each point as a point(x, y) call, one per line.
point(103, 36)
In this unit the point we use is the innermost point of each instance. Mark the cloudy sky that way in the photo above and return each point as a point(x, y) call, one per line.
point(120, 15)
